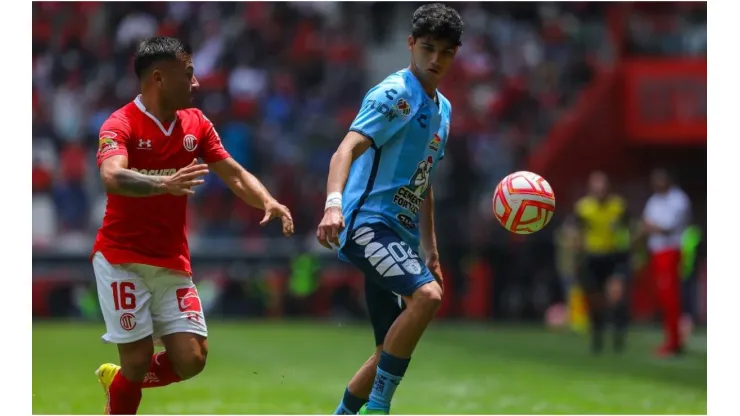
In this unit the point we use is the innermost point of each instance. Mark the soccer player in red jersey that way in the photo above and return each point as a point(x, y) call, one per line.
point(147, 155)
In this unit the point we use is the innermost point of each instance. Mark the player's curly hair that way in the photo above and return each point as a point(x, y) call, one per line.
point(437, 21)
point(155, 49)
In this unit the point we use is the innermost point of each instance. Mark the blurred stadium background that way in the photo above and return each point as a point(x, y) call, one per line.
point(560, 89)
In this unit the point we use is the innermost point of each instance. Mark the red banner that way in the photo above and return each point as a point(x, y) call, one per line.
point(666, 100)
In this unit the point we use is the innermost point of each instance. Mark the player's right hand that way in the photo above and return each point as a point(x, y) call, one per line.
point(330, 227)
point(181, 182)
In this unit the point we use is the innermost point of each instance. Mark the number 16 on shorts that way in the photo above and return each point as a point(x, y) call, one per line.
point(124, 302)
point(125, 299)
point(139, 300)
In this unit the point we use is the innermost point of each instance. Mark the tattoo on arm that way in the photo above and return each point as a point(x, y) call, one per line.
point(130, 183)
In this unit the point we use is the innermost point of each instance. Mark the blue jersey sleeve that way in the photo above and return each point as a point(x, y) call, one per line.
point(385, 109)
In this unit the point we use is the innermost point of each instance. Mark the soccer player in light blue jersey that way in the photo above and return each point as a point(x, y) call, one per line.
point(379, 207)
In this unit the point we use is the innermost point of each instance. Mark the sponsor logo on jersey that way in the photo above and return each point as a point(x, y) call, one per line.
point(421, 119)
point(411, 196)
point(106, 142)
point(156, 172)
point(382, 108)
point(388, 259)
point(435, 143)
point(406, 221)
point(188, 300)
point(145, 144)
point(403, 107)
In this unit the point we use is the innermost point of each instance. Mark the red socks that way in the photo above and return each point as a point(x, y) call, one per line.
point(161, 372)
point(124, 396)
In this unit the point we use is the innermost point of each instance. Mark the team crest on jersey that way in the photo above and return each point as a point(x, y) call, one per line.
point(128, 321)
point(403, 107)
point(412, 266)
point(410, 197)
point(190, 142)
point(106, 142)
point(435, 143)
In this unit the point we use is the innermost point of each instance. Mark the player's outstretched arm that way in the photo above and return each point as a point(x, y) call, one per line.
point(429, 237)
point(247, 187)
point(119, 180)
point(353, 145)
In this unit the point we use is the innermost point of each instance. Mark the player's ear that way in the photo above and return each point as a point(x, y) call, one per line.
point(411, 42)
point(157, 77)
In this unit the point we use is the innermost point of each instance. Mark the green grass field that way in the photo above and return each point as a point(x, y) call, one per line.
point(302, 368)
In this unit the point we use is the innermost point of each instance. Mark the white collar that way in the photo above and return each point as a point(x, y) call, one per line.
point(141, 107)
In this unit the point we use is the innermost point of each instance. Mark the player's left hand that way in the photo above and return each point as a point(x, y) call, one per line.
point(274, 209)
point(435, 267)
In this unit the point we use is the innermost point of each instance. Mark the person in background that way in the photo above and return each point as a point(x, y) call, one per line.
point(567, 246)
point(664, 220)
point(693, 250)
point(603, 221)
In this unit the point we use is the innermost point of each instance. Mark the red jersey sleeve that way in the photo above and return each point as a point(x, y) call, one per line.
point(112, 139)
point(212, 150)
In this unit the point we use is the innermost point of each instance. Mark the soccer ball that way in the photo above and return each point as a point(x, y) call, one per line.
point(523, 202)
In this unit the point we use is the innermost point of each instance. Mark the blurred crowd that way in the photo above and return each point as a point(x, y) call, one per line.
point(283, 81)
point(276, 79)
point(667, 29)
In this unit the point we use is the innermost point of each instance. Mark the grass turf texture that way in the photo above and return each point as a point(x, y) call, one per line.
point(303, 368)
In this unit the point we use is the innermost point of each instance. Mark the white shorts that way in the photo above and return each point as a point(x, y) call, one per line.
point(138, 300)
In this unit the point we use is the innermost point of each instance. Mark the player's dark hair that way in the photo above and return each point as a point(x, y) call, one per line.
point(664, 172)
point(156, 49)
point(438, 22)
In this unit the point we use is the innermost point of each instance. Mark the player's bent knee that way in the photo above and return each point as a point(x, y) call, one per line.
point(188, 354)
point(428, 297)
point(191, 365)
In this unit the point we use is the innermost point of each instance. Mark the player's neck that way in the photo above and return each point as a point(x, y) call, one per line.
point(155, 108)
point(429, 89)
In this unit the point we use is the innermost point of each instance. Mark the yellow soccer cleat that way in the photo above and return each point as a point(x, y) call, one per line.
point(106, 373)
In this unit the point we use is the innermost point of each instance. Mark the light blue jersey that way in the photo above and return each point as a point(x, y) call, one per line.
point(388, 183)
